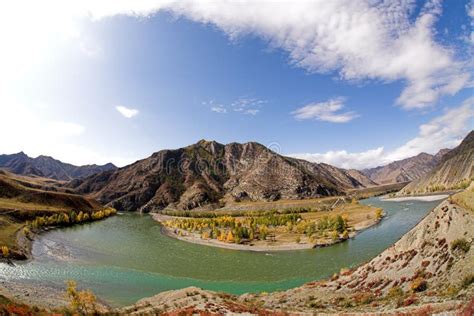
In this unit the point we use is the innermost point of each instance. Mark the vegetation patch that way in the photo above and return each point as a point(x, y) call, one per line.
point(460, 244)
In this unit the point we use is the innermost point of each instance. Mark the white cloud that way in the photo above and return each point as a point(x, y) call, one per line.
point(126, 112)
point(250, 106)
point(328, 111)
point(445, 131)
point(219, 109)
point(252, 111)
point(360, 39)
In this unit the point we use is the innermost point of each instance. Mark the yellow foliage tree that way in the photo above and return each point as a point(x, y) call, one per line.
point(378, 213)
point(80, 301)
point(5, 251)
point(230, 237)
point(205, 235)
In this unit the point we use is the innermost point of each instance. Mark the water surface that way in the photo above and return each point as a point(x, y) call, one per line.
point(125, 257)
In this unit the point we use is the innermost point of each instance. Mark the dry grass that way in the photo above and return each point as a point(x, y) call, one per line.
point(13, 204)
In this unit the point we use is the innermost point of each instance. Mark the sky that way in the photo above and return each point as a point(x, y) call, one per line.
point(353, 83)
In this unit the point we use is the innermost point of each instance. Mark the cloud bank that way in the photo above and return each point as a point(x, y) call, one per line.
point(445, 131)
point(358, 39)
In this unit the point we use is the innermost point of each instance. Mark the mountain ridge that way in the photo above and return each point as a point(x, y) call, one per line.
point(404, 170)
point(209, 173)
point(47, 166)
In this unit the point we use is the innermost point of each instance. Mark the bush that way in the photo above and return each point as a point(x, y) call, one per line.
point(418, 285)
point(461, 244)
point(395, 291)
point(468, 280)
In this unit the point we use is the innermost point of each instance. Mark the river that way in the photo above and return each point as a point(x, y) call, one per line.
point(125, 257)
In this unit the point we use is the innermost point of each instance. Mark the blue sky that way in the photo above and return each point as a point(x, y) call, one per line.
point(351, 83)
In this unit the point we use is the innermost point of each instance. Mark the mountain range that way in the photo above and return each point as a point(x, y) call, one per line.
point(405, 170)
point(210, 174)
point(48, 167)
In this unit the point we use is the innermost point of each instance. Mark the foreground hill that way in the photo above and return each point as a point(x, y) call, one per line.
point(405, 170)
point(455, 171)
point(45, 166)
point(429, 270)
point(211, 174)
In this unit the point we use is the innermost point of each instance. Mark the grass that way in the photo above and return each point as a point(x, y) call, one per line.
point(14, 204)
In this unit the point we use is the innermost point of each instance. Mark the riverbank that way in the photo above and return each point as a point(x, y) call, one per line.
point(426, 198)
point(356, 217)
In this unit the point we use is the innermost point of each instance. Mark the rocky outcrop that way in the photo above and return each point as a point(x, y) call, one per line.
point(48, 167)
point(455, 171)
point(211, 174)
point(405, 170)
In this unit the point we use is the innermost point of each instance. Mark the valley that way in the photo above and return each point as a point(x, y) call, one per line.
point(322, 239)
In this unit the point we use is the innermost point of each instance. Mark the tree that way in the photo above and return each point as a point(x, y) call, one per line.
point(263, 232)
point(230, 237)
point(378, 213)
point(5, 251)
point(80, 301)
point(298, 239)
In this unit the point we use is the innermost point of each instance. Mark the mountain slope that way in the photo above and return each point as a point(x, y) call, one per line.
point(456, 170)
point(19, 193)
point(209, 173)
point(48, 167)
point(405, 170)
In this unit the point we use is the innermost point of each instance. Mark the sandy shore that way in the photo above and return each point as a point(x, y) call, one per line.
point(266, 247)
point(426, 198)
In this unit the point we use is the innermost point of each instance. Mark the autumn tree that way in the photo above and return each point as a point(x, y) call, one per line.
point(5, 251)
point(82, 302)
point(230, 237)
point(378, 213)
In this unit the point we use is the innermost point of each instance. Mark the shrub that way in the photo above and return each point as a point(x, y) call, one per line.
point(461, 244)
point(418, 285)
point(395, 291)
point(468, 280)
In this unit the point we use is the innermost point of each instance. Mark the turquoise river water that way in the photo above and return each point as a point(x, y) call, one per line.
point(125, 257)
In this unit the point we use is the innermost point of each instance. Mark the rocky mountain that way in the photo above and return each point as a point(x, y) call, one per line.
point(454, 171)
point(405, 170)
point(210, 174)
point(45, 166)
